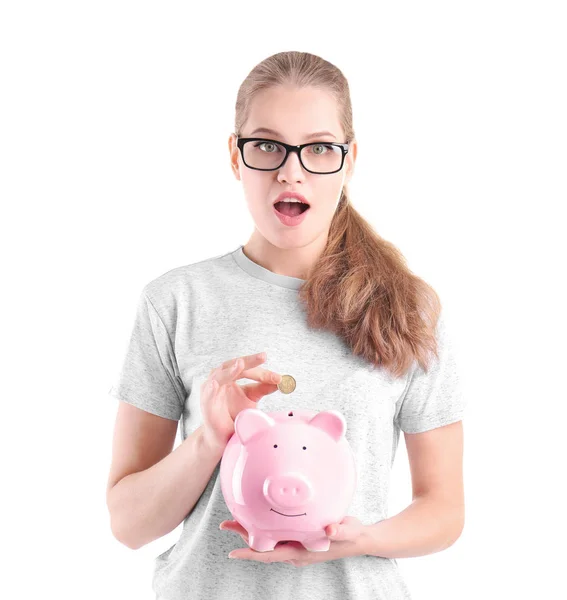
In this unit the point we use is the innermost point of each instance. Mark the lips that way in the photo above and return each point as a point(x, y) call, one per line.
point(291, 214)
point(291, 220)
point(284, 195)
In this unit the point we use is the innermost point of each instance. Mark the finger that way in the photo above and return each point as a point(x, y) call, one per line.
point(278, 554)
point(238, 370)
point(228, 365)
point(232, 526)
point(235, 527)
point(234, 365)
point(226, 374)
point(249, 360)
point(262, 375)
point(256, 391)
point(348, 529)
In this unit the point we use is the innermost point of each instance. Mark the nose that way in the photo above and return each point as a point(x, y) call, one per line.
point(291, 170)
point(287, 491)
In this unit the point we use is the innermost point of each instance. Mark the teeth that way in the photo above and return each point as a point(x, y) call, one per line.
point(291, 199)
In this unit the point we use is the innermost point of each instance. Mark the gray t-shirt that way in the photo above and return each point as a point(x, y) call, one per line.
point(194, 317)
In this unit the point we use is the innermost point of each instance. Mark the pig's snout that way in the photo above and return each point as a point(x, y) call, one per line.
point(287, 491)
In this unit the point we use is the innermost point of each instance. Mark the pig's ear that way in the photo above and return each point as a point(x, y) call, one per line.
point(251, 421)
point(331, 422)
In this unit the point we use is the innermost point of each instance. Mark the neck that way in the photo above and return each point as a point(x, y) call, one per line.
point(293, 262)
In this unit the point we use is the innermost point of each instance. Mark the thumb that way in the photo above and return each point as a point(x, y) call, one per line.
point(339, 532)
point(348, 529)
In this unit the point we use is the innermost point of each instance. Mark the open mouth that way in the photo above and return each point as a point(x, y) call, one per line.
point(291, 209)
point(279, 513)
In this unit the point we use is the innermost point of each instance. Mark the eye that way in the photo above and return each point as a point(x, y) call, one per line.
point(275, 445)
point(304, 448)
point(320, 149)
point(269, 144)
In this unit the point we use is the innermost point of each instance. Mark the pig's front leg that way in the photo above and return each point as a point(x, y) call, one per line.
point(261, 543)
point(321, 544)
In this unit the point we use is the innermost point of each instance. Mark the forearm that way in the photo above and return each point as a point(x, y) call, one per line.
point(426, 526)
point(147, 505)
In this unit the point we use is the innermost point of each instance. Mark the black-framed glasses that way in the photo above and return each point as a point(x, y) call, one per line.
point(321, 158)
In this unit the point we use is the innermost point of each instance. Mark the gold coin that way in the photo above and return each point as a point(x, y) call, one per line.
point(287, 384)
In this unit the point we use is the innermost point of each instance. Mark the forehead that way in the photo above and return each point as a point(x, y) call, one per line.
point(307, 136)
point(294, 115)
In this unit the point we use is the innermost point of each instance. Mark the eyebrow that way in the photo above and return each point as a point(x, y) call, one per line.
point(308, 137)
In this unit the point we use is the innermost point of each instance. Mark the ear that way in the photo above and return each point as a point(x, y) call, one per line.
point(250, 422)
point(331, 422)
point(233, 154)
point(350, 160)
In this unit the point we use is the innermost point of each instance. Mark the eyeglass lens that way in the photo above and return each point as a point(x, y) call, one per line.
point(320, 157)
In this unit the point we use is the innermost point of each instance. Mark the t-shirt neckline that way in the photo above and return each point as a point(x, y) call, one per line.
point(256, 270)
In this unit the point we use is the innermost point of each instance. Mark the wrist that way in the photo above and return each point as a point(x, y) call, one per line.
point(211, 443)
point(367, 542)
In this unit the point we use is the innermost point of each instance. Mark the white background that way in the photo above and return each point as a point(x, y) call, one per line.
point(114, 168)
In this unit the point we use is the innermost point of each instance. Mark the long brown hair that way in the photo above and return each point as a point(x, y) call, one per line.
point(360, 286)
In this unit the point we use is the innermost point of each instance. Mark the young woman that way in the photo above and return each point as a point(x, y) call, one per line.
point(314, 293)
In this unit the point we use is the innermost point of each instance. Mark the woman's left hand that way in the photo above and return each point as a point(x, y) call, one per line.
point(348, 538)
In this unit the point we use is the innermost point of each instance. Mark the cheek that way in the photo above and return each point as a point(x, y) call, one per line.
point(331, 184)
point(256, 192)
point(329, 192)
point(256, 185)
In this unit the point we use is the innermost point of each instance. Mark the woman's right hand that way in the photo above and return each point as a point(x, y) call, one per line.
point(222, 398)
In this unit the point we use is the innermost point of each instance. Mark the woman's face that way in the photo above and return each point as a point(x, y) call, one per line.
point(292, 114)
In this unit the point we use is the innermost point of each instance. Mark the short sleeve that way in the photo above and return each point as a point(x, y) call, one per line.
point(433, 398)
point(149, 377)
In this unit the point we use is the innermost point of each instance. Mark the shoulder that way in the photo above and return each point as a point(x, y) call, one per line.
point(178, 286)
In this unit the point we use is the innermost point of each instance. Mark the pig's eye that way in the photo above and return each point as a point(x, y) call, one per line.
point(304, 448)
point(275, 445)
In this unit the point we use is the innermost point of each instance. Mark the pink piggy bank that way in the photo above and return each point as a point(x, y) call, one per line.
point(287, 475)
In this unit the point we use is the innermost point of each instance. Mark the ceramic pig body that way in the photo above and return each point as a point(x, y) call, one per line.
point(287, 475)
